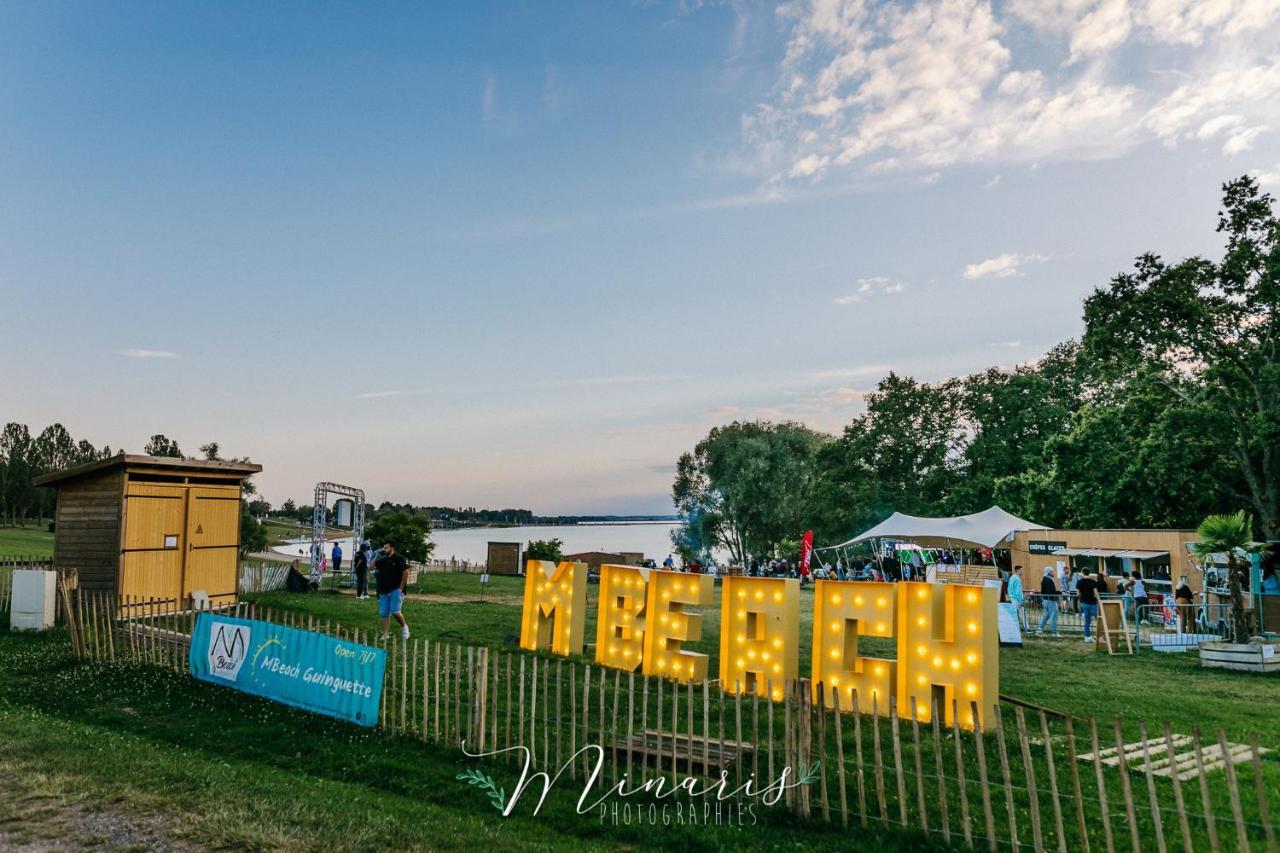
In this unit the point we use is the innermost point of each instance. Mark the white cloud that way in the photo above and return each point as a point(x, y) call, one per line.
point(1267, 177)
point(1001, 266)
point(865, 287)
point(992, 184)
point(1241, 140)
point(1007, 344)
point(147, 353)
point(878, 86)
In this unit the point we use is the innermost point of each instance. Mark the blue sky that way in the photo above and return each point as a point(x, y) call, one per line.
point(526, 254)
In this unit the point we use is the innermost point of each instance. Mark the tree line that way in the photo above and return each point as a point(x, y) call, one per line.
point(1166, 410)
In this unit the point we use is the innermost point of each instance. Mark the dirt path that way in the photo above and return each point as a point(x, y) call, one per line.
point(42, 823)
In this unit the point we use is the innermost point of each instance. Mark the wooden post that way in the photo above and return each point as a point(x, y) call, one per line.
point(1075, 787)
point(1031, 777)
point(546, 713)
point(644, 720)
point(875, 744)
point(457, 694)
point(942, 780)
point(1126, 789)
point(1178, 803)
point(897, 762)
point(631, 718)
point(769, 732)
point(965, 825)
point(532, 742)
point(586, 712)
point(844, 797)
point(987, 812)
point(1242, 835)
point(822, 751)
point(1263, 812)
point(426, 698)
point(573, 720)
point(435, 713)
point(1205, 801)
point(915, 739)
point(1151, 785)
point(559, 713)
point(1004, 772)
point(1102, 786)
point(737, 721)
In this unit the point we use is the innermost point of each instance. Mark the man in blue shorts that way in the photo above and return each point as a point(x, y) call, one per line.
point(392, 575)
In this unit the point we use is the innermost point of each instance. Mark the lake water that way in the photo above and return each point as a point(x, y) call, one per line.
point(651, 538)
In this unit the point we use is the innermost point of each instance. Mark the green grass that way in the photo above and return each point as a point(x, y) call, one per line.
point(30, 541)
point(220, 768)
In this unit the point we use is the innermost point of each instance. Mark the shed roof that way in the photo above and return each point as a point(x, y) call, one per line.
point(157, 463)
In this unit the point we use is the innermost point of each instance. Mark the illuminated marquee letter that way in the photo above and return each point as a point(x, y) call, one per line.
point(555, 601)
point(620, 623)
point(759, 634)
point(668, 625)
point(842, 612)
point(949, 649)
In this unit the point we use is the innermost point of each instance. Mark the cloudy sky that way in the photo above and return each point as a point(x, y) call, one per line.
point(527, 253)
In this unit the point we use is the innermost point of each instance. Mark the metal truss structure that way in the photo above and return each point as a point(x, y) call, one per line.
point(319, 518)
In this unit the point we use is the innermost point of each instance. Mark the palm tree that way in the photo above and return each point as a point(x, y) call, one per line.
point(1231, 535)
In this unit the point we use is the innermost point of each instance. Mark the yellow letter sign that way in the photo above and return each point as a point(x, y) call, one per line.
point(668, 625)
point(620, 625)
point(759, 643)
point(842, 612)
point(948, 650)
point(555, 601)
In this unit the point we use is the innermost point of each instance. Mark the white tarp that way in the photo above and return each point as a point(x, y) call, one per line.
point(987, 528)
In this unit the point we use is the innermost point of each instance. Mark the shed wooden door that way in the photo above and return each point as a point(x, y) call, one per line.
point(154, 541)
point(213, 540)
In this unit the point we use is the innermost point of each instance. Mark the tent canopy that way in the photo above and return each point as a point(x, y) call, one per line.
point(987, 528)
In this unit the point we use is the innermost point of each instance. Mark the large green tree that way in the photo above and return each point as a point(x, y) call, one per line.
point(901, 455)
point(1212, 331)
point(409, 531)
point(749, 485)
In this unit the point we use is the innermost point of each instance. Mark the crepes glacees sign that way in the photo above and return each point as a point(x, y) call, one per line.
point(947, 641)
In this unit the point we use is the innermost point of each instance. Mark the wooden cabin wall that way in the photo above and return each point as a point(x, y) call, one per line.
point(87, 528)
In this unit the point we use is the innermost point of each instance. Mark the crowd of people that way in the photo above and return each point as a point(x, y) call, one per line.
point(1069, 590)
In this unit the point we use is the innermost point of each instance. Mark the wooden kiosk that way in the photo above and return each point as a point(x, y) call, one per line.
point(151, 527)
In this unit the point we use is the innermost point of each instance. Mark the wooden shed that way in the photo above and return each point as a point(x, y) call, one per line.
point(151, 527)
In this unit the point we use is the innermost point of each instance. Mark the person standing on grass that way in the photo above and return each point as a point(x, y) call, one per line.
point(1015, 594)
point(1138, 589)
point(1185, 604)
point(361, 569)
point(1049, 599)
point(336, 554)
point(1087, 589)
point(392, 576)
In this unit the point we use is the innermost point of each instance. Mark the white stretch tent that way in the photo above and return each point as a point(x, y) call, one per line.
point(987, 528)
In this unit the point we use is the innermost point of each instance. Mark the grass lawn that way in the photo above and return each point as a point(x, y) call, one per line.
point(29, 541)
point(216, 767)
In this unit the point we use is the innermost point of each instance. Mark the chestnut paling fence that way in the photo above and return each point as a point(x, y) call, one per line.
point(1034, 779)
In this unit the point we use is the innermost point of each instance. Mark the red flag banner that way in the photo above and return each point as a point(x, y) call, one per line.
point(806, 552)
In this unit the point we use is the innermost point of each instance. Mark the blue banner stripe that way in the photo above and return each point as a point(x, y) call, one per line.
point(299, 668)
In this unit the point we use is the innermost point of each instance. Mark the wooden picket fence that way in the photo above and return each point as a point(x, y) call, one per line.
point(1036, 779)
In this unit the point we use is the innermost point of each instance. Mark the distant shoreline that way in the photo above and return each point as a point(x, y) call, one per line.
point(556, 522)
